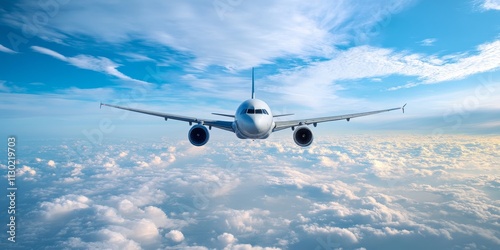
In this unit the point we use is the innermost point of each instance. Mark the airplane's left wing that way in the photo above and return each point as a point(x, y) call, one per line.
point(224, 125)
point(280, 125)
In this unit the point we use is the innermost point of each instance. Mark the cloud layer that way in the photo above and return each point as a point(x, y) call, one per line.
point(409, 192)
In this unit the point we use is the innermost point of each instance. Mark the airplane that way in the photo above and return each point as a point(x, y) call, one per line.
point(253, 120)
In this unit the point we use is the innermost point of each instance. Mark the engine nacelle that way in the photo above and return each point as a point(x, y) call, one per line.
point(303, 136)
point(198, 135)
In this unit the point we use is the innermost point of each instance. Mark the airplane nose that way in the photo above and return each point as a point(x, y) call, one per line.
point(255, 125)
point(260, 125)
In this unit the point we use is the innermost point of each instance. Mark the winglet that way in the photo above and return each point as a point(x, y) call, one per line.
point(253, 85)
point(403, 108)
point(100, 106)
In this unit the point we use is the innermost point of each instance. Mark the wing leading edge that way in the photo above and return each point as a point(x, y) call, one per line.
point(224, 125)
point(280, 125)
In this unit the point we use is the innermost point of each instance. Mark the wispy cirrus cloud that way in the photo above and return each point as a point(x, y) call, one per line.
point(428, 42)
point(3, 87)
point(98, 64)
point(236, 40)
point(6, 50)
point(9, 87)
point(371, 62)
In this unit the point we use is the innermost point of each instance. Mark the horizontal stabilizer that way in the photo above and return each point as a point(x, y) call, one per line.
point(223, 115)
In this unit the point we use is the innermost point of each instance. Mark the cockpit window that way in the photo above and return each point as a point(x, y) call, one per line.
point(255, 111)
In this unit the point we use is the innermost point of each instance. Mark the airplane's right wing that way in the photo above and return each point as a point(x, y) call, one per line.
point(280, 125)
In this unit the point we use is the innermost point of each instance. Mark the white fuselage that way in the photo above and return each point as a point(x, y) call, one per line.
point(253, 120)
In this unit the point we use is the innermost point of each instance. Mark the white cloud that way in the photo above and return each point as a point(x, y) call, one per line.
point(6, 50)
point(49, 52)
point(127, 207)
point(135, 57)
point(342, 233)
point(71, 179)
point(232, 38)
point(417, 190)
point(245, 220)
point(369, 62)
point(249, 247)
point(491, 4)
point(109, 214)
point(51, 163)
point(64, 205)
point(156, 160)
point(9, 88)
point(175, 235)
point(157, 216)
point(143, 230)
point(428, 42)
point(109, 240)
point(26, 170)
point(98, 64)
point(327, 162)
point(3, 87)
point(227, 239)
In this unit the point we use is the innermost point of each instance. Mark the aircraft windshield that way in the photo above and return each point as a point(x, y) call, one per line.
point(255, 111)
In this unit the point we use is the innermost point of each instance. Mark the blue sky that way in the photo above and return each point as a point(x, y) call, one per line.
point(311, 59)
point(93, 178)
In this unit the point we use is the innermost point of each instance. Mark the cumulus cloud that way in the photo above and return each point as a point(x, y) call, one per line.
point(175, 235)
point(226, 239)
point(327, 162)
point(341, 233)
point(156, 160)
point(26, 170)
point(162, 160)
point(143, 230)
point(64, 205)
point(110, 240)
point(411, 189)
point(250, 247)
point(51, 163)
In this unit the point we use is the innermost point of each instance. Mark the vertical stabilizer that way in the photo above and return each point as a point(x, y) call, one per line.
point(253, 85)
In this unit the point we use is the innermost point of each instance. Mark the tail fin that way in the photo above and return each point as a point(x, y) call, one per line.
point(253, 85)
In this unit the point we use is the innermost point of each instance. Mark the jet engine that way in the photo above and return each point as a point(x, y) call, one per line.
point(303, 136)
point(198, 135)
